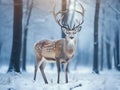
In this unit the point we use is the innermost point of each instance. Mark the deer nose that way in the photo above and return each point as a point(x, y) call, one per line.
point(71, 37)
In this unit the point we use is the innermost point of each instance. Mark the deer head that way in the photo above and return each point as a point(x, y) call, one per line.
point(69, 32)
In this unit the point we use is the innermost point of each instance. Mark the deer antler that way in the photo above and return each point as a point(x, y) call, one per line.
point(55, 14)
point(82, 13)
point(58, 20)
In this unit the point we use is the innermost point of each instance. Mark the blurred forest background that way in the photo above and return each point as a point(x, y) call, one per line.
point(23, 22)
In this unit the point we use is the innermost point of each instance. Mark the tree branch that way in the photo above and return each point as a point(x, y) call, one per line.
point(79, 85)
point(114, 9)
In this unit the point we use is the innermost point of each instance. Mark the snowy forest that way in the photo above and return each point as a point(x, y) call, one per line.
point(91, 27)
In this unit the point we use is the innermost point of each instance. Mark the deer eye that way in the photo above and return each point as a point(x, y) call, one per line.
point(68, 32)
point(74, 32)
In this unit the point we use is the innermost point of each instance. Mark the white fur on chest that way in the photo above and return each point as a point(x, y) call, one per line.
point(70, 48)
point(71, 43)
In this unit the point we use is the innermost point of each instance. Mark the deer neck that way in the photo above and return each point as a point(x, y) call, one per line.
point(70, 46)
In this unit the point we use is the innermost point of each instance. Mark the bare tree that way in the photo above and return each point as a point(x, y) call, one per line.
point(96, 21)
point(116, 51)
point(0, 46)
point(108, 50)
point(117, 36)
point(102, 51)
point(17, 37)
point(102, 41)
point(24, 53)
point(0, 51)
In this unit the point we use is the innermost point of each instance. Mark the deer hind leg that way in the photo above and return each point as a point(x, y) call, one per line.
point(38, 61)
point(42, 66)
point(66, 72)
point(58, 70)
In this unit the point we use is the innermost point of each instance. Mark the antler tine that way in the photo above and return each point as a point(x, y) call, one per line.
point(83, 10)
point(56, 14)
point(68, 26)
point(76, 26)
point(73, 27)
point(82, 13)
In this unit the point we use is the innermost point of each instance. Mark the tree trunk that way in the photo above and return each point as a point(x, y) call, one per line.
point(102, 41)
point(117, 35)
point(0, 47)
point(73, 13)
point(102, 51)
point(64, 20)
point(17, 37)
point(108, 55)
point(96, 21)
point(24, 49)
point(117, 59)
point(25, 37)
point(64, 3)
point(0, 53)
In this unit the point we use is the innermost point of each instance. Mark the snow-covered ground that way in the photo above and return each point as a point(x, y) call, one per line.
point(81, 79)
point(43, 26)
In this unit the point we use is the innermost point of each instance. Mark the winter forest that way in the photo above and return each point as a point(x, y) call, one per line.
point(59, 44)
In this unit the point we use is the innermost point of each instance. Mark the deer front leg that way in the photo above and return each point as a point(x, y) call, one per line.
point(35, 71)
point(58, 70)
point(42, 66)
point(66, 72)
point(36, 66)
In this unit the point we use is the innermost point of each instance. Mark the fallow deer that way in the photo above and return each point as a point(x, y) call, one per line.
point(59, 51)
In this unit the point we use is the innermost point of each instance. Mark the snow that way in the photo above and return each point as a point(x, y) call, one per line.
point(80, 79)
point(43, 26)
